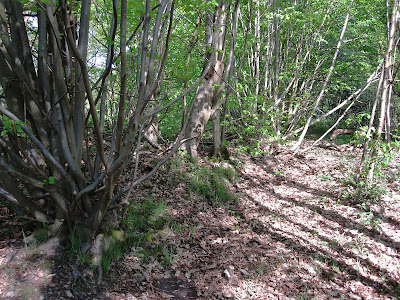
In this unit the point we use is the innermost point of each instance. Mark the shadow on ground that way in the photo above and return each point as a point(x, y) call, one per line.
point(287, 236)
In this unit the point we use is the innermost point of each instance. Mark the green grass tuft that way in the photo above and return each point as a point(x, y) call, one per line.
point(142, 224)
point(213, 184)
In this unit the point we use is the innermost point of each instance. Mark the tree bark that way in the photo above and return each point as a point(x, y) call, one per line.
point(328, 76)
point(207, 100)
point(386, 90)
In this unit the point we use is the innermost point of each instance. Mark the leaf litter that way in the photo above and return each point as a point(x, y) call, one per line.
point(289, 235)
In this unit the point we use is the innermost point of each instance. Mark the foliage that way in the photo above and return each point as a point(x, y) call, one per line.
point(8, 126)
point(75, 242)
point(344, 139)
point(142, 225)
point(70, 123)
point(212, 185)
point(250, 147)
point(320, 128)
point(358, 192)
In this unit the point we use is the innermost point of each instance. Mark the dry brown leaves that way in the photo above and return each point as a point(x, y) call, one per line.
point(287, 237)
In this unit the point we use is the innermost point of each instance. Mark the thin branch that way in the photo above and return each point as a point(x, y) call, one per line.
point(45, 152)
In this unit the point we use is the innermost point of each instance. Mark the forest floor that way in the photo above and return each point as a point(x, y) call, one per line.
point(295, 231)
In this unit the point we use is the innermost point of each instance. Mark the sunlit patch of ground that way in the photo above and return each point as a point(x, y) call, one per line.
point(25, 269)
point(291, 236)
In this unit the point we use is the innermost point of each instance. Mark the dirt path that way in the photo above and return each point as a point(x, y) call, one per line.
point(291, 235)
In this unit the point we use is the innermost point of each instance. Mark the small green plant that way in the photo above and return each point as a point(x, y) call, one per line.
point(146, 215)
point(242, 149)
point(49, 180)
point(368, 218)
point(25, 241)
point(75, 240)
point(387, 153)
point(175, 227)
point(84, 259)
point(169, 255)
point(193, 230)
point(264, 267)
point(212, 185)
point(11, 126)
point(326, 178)
point(360, 244)
point(42, 234)
point(261, 268)
point(360, 192)
point(344, 139)
point(114, 252)
point(253, 149)
point(181, 154)
point(30, 246)
point(256, 150)
point(143, 225)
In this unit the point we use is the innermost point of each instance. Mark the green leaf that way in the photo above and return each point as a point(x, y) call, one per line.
point(109, 41)
point(51, 180)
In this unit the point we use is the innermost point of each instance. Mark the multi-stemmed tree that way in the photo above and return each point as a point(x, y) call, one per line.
point(59, 161)
point(83, 83)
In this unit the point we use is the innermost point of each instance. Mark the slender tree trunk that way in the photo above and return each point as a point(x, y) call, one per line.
point(257, 52)
point(386, 90)
point(203, 100)
point(321, 94)
point(276, 73)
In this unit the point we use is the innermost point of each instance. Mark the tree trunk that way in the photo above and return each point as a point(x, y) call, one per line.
point(386, 91)
point(202, 109)
point(49, 100)
point(328, 76)
point(207, 100)
point(216, 133)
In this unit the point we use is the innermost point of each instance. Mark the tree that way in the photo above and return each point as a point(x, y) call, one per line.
point(328, 76)
point(82, 82)
point(207, 100)
point(63, 139)
point(383, 98)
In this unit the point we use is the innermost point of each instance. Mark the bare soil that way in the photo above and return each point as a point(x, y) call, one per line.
point(292, 234)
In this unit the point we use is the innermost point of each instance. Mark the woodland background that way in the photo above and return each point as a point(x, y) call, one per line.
point(99, 97)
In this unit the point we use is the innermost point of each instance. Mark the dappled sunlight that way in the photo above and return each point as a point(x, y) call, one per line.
point(283, 233)
point(25, 269)
point(289, 236)
point(354, 254)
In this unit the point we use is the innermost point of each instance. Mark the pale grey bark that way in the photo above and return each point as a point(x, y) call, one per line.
point(49, 97)
point(123, 77)
point(328, 76)
point(257, 47)
point(276, 119)
point(387, 86)
point(368, 135)
point(208, 100)
point(202, 109)
point(103, 94)
point(356, 95)
point(79, 101)
point(306, 56)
